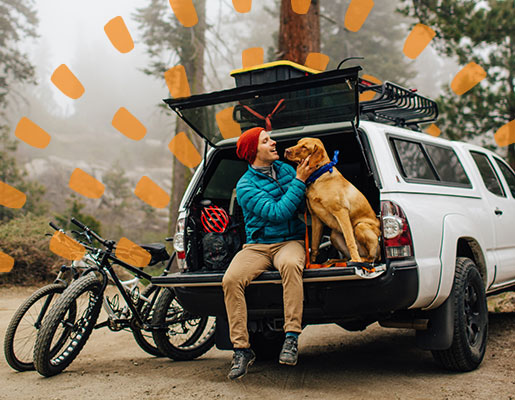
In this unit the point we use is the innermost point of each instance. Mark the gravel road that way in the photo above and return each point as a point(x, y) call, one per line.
point(377, 363)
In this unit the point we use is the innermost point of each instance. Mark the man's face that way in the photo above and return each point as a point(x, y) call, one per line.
point(266, 151)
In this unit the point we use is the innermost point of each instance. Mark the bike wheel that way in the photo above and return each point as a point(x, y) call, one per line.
point(23, 328)
point(142, 337)
point(178, 334)
point(85, 296)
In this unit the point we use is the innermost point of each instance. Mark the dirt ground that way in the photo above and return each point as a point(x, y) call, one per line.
point(377, 363)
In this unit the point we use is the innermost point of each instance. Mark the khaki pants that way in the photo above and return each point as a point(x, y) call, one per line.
point(289, 258)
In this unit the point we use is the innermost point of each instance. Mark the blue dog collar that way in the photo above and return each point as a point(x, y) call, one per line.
point(323, 169)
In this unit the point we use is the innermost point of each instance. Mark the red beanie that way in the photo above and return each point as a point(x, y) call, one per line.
point(247, 145)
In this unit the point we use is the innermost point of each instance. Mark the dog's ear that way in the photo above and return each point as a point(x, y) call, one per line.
point(317, 156)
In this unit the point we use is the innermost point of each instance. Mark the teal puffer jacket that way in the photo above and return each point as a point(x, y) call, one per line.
point(271, 207)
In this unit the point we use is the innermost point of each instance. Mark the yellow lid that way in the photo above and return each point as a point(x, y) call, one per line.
point(275, 64)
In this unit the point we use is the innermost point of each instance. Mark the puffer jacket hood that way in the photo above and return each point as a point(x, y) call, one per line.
point(271, 207)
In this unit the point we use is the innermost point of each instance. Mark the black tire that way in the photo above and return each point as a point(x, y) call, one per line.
point(84, 294)
point(180, 335)
point(267, 345)
point(23, 328)
point(143, 338)
point(470, 320)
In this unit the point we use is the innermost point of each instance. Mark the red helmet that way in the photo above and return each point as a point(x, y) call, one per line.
point(214, 219)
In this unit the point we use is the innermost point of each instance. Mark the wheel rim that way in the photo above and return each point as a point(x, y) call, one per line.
point(475, 320)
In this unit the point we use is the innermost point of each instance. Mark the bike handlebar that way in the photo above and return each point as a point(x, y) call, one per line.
point(54, 226)
point(89, 231)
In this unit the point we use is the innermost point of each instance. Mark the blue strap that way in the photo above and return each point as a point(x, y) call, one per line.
point(323, 169)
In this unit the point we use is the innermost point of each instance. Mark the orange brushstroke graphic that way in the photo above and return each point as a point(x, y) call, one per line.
point(317, 61)
point(6, 262)
point(469, 76)
point(177, 82)
point(119, 35)
point(300, 6)
point(86, 185)
point(369, 94)
point(131, 253)
point(64, 246)
point(433, 130)
point(242, 6)
point(185, 12)
point(31, 133)
point(11, 197)
point(505, 135)
point(67, 82)
point(128, 124)
point(228, 127)
point(151, 193)
point(252, 56)
point(357, 14)
point(182, 148)
point(418, 39)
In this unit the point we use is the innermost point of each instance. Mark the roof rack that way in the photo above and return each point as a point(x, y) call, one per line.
point(396, 105)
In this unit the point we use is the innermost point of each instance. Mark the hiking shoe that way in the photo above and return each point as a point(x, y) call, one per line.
point(241, 361)
point(289, 352)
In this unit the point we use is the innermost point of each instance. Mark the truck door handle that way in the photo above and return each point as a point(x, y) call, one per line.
point(498, 211)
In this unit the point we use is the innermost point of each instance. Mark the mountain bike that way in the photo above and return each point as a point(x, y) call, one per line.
point(61, 338)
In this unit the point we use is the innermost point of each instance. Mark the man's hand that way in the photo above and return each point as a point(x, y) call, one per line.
point(304, 170)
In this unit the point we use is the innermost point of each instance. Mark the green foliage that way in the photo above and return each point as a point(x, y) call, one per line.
point(17, 22)
point(24, 239)
point(118, 192)
point(482, 32)
point(75, 207)
point(12, 174)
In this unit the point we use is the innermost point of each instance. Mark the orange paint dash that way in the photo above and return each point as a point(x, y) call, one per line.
point(185, 12)
point(182, 148)
point(252, 56)
point(242, 6)
point(317, 61)
point(229, 128)
point(131, 253)
point(67, 82)
point(128, 124)
point(505, 135)
point(418, 39)
point(11, 197)
point(31, 133)
point(433, 130)
point(177, 82)
point(86, 185)
point(300, 6)
point(119, 35)
point(468, 77)
point(6, 262)
point(357, 14)
point(66, 247)
point(369, 94)
point(151, 193)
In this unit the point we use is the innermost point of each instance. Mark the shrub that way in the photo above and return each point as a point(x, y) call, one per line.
point(24, 239)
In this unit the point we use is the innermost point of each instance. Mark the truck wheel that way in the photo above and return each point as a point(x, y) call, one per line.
point(470, 320)
point(267, 345)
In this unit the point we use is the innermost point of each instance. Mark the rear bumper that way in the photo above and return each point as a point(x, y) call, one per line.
point(330, 294)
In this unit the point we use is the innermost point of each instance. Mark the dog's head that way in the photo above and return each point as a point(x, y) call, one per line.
point(308, 147)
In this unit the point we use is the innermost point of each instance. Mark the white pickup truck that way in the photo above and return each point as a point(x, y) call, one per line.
point(447, 212)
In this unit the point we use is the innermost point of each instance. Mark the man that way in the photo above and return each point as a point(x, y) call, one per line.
point(269, 193)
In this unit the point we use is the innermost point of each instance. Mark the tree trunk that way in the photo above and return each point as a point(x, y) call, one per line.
point(299, 34)
point(191, 56)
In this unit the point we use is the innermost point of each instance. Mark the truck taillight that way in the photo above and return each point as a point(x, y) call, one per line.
point(396, 232)
point(178, 244)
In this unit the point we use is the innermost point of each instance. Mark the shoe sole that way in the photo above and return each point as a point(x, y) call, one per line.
point(287, 363)
point(246, 370)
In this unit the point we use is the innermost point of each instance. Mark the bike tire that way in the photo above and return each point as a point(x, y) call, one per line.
point(48, 362)
point(195, 336)
point(143, 338)
point(23, 328)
